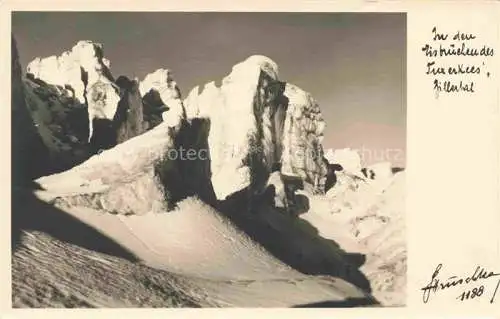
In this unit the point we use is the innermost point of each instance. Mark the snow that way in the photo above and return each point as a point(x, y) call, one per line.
point(220, 255)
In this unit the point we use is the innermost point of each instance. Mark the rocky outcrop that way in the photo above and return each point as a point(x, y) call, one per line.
point(188, 171)
point(129, 117)
point(149, 173)
point(303, 134)
point(26, 140)
point(73, 99)
point(208, 154)
point(77, 106)
point(84, 72)
point(161, 98)
point(278, 125)
point(61, 121)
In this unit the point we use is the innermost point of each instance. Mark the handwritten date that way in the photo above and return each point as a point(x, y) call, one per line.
point(471, 294)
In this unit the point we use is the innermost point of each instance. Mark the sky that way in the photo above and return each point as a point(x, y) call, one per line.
point(353, 64)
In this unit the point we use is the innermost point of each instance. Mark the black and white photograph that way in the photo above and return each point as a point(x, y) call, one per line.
point(208, 159)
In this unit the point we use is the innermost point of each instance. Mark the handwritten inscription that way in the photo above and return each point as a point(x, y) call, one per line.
point(479, 277)
point(455, 61)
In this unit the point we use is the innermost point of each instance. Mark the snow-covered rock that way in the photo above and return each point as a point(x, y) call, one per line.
point(77, 69)
point(226, 155)
point(65, 94)
point(302, 149)
point(276, 123)
point(151, 172)
point(162, 81)
point(77, 106)
point(162, 97)
point(82, 72)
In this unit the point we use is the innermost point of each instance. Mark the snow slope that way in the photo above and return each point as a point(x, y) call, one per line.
point(368, 217)
point(193, 253)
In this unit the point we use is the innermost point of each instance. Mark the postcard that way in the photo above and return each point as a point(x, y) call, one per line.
point(250, 158)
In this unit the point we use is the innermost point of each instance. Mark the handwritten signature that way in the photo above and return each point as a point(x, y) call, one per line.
point(436, 284)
